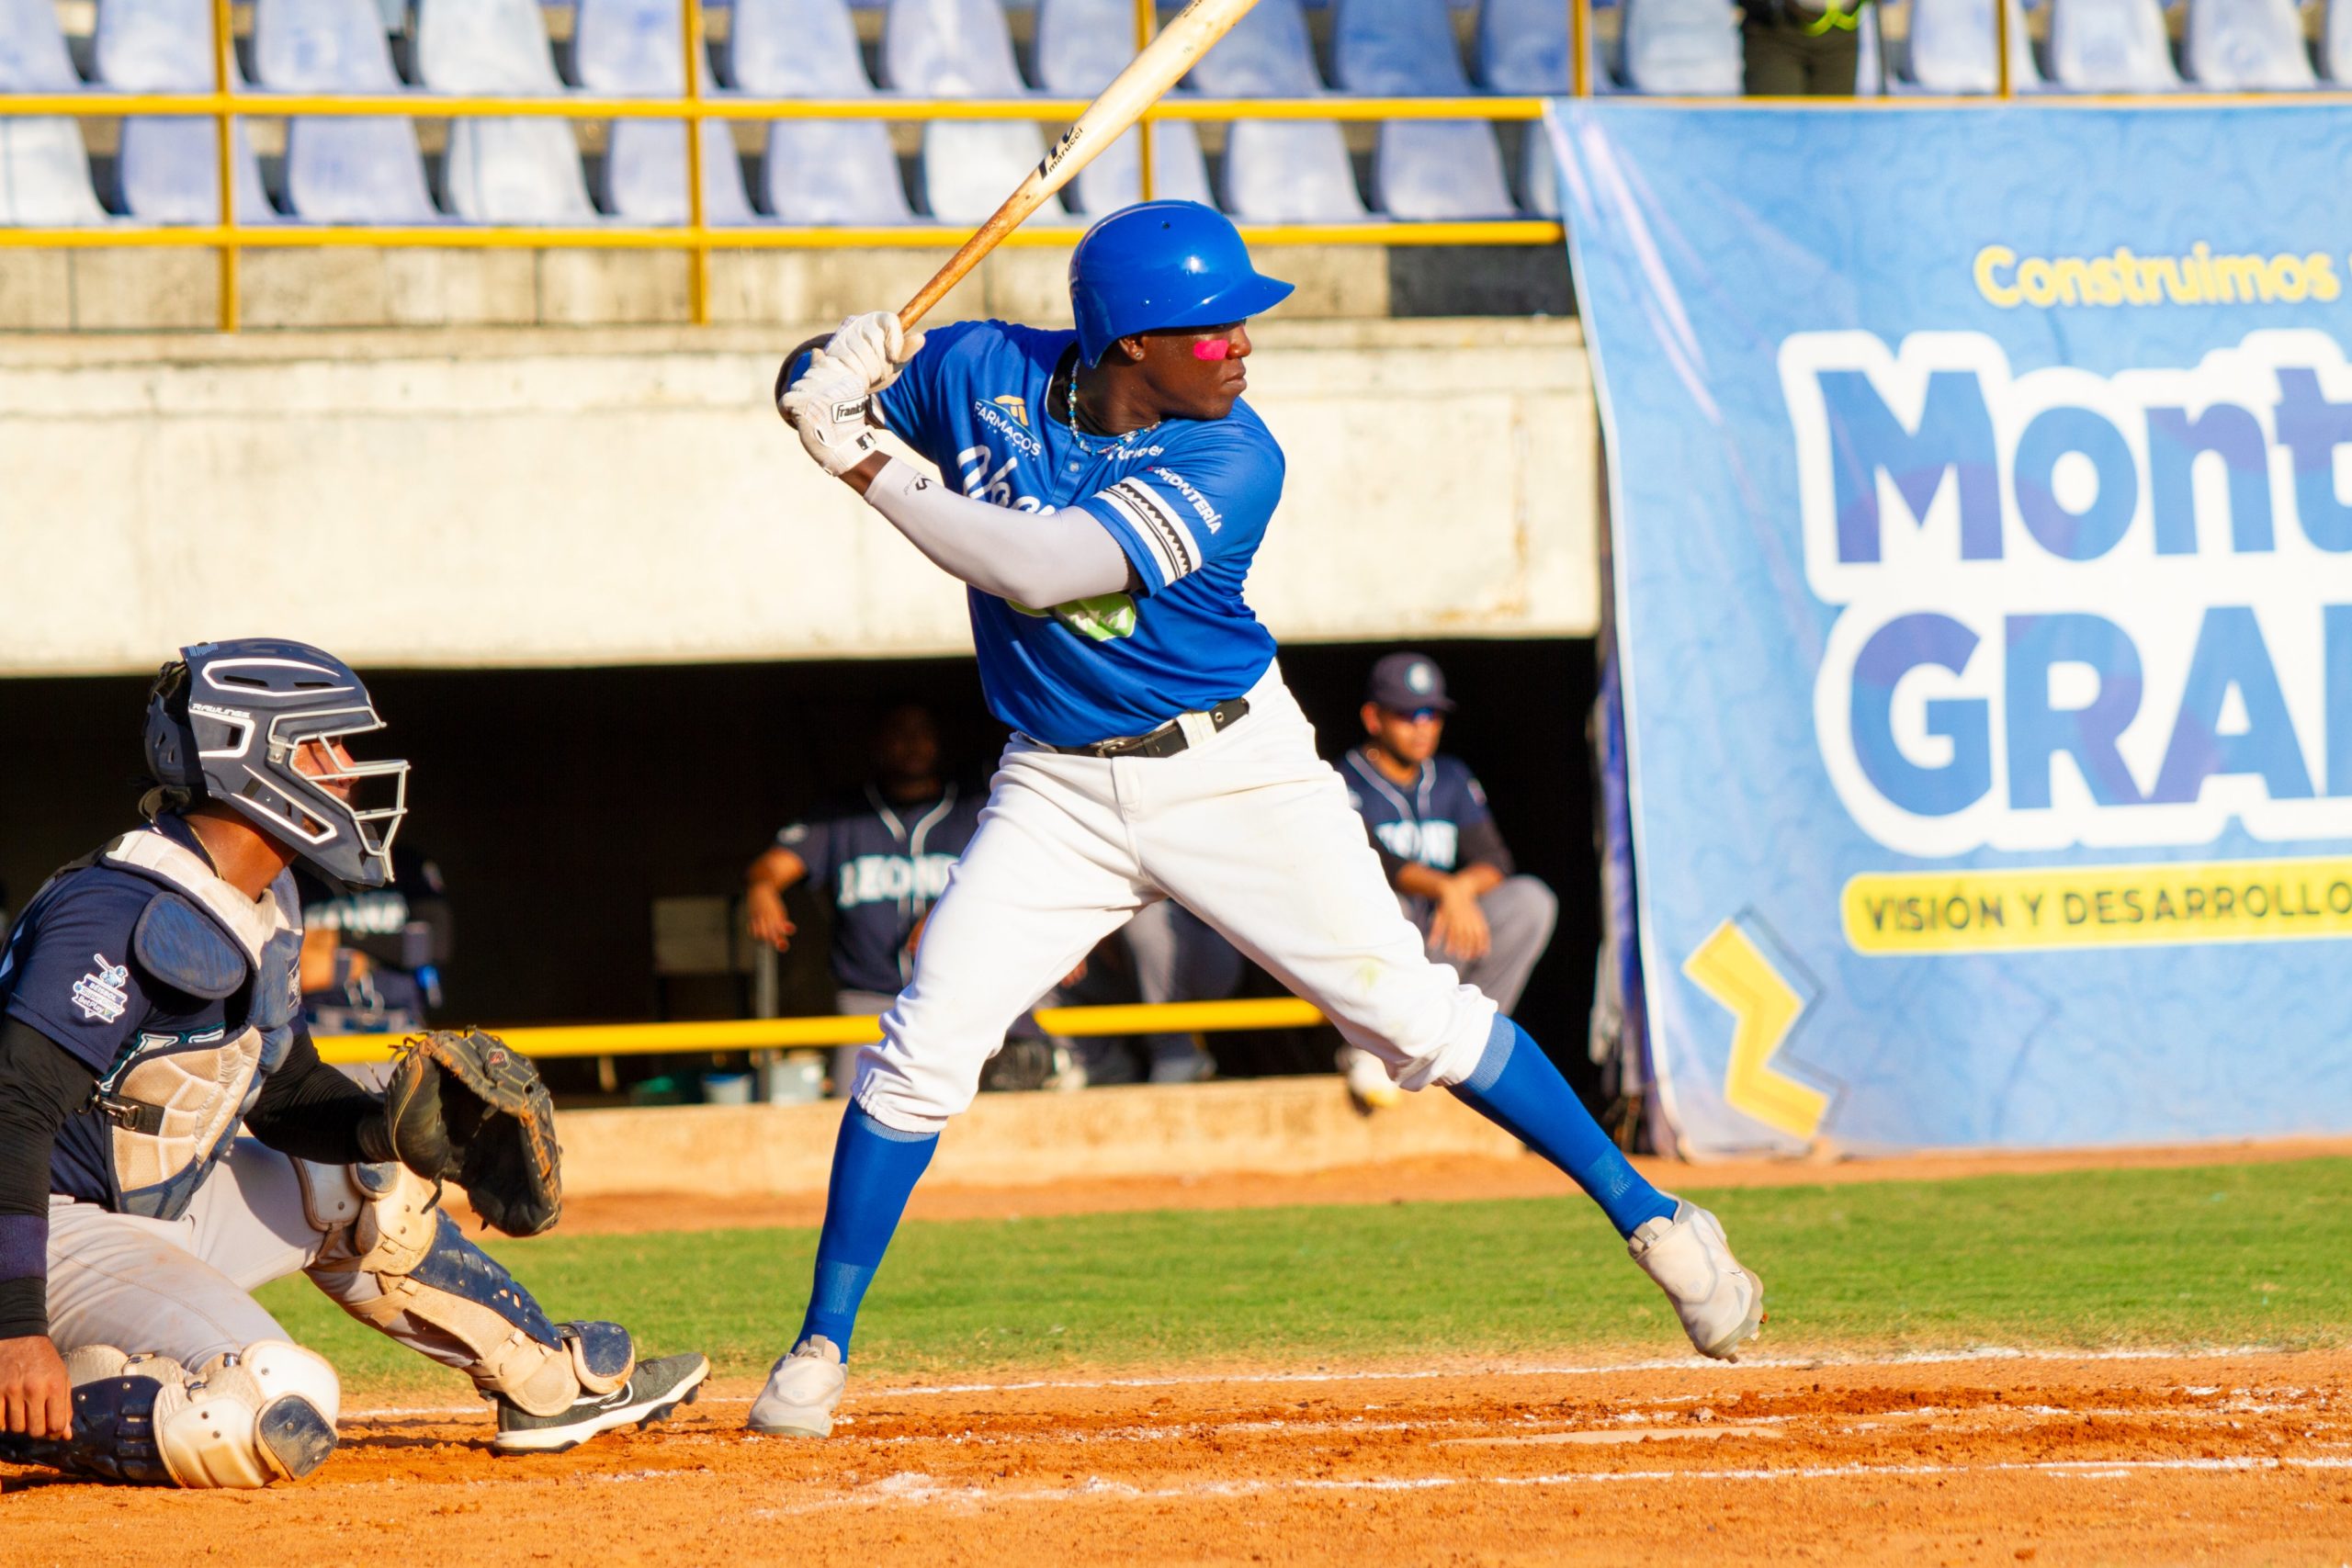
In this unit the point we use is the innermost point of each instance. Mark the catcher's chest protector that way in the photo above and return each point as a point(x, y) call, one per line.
point(175, 1100)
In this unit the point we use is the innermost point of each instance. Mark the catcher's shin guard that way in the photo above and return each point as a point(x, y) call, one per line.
point(382, 1221)
point(242, 1419)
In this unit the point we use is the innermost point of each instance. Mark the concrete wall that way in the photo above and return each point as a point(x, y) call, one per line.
point(1279, 1125)
point(531, 498)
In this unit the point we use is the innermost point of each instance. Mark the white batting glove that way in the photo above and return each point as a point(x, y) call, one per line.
point(875, 347)
point(828, 407)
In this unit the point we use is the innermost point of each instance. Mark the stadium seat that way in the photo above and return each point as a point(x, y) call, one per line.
point(169, 168)
point(508, 170)
point(1081, 44)
point(1952, 44)
point(44, 166)
point(815, 171)
point(635, 46)
point(962, 48)
point(2335, 42)
point(1278, 171)
point(1688, 48)
point(1432, 169)
point(1523, 49)
point(2246, 45)
point(343, 170)
point(2110, 46)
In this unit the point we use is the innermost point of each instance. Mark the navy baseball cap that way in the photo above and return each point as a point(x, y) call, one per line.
point(1405, 682)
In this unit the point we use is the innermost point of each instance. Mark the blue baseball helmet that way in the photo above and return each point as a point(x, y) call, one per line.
point(225, 721)
point(1163, 264)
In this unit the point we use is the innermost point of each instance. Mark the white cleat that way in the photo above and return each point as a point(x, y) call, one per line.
point(801, 1391)
point(1721, 1304)
point(1369, 1086)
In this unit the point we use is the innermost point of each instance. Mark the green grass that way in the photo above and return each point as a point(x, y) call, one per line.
point(2231, 1255)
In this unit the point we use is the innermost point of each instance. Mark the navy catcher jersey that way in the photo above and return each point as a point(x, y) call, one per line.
point(68, 972)
point(883, 866)
point(1187, 500)
point(1422, 821)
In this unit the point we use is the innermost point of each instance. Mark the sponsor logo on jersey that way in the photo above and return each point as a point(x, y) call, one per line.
point(1015, 430)
point(1193, 498)
point(1016, 405)
point(99, 994)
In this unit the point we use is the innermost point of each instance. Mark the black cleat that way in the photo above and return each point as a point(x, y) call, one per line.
point(654, 1390)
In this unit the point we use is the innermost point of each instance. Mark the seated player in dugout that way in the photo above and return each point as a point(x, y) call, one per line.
point(372, 957)
point(149, 1005)
point(882, 855)
point(1441, 848)
point(1102, 493)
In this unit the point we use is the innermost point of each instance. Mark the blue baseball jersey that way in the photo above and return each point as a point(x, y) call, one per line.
point(1422, 821)
point(883, 866)
point(1187, 500)
point(69, 971)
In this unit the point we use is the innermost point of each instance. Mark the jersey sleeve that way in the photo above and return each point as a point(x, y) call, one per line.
point(812, 840)
point(1470, 800)
point(914, 406)
point(70, 973)
point(1209, 499)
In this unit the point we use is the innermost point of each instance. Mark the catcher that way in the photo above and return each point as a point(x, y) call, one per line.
point(148, 1003)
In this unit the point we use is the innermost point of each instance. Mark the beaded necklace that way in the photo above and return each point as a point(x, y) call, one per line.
point(1083, 438)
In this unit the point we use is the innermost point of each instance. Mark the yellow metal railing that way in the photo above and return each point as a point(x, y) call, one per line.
point(696, 238)
point(792, 1033)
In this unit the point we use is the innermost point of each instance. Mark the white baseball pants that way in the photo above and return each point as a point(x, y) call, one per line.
point(183, 1287)
point(1251, 830)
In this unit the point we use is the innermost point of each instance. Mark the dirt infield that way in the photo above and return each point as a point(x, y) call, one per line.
point(2222, 1458)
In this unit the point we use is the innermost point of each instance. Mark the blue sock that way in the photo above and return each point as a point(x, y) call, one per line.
point(1519, 1090)
point(875, 1168)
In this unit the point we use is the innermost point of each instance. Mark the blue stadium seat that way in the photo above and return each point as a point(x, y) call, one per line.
point(1278, 171)
point(169, 168)
point(2110, 46)
point(1684, 46)
point(962, 48)
point(1081, 44)
point(1953, 44)
point(343, 169)
point(506, 170)
point(2247, 46)
point(1430, 169)
point(636, 47)
point(2335, 42)
point(815, 171)
point(44, 166)
point(1523, 49)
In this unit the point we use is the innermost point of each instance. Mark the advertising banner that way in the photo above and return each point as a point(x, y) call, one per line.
point(1981, 496)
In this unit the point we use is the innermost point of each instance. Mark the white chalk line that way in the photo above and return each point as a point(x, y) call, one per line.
point(1674, 1364)
point(918, 1489)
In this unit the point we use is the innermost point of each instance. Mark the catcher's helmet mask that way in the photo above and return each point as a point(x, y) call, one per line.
point(229, 721)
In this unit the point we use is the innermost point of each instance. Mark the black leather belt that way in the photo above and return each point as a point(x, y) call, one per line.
point(1165, 741)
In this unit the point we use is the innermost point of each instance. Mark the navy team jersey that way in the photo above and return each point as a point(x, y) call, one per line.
point(1422, 821)
point(68, 972)
point(883, 866)
point(1187, 500)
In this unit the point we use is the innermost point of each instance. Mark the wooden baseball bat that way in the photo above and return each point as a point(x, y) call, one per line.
point(1160, 65)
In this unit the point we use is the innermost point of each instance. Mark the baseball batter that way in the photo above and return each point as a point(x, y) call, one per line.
point(149, 1004)
point(1102, 492)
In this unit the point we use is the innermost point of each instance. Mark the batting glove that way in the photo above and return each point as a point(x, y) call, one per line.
point(828, 407)
point(875, 347)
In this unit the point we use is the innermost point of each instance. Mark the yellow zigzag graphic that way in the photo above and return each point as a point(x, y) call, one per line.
point(1732, 969)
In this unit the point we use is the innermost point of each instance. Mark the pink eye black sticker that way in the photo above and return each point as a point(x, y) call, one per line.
point(1215, 348)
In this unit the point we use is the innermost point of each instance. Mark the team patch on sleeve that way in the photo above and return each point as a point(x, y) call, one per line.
point(1166, 538)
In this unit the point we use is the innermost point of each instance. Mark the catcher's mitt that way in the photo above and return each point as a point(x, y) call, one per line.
point(465, 1107)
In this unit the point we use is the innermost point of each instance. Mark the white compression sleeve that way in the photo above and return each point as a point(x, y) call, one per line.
point(1021, 556)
